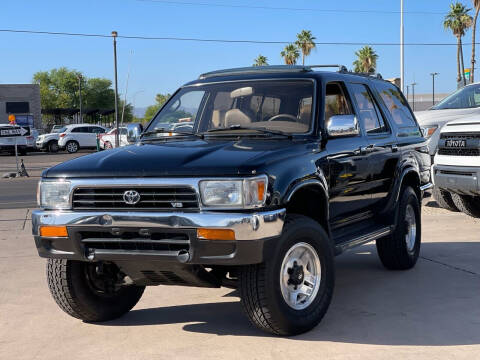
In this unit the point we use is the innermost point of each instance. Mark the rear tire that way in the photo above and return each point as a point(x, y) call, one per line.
point(80, 297)
point(469, 205)
point(400, 250)
point(289, 294)
point(444, 199)
point(72, 146)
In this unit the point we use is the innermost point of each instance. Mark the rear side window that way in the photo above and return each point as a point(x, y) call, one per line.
point(369, 112)
point(396, 104)
point(79, 129)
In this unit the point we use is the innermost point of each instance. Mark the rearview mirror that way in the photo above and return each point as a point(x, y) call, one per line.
point(133, 132)
point(342, 125)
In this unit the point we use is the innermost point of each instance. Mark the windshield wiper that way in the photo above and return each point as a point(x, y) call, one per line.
point(260, 129)
point(164, 131)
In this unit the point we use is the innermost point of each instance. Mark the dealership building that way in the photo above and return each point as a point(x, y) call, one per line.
point(23, 101)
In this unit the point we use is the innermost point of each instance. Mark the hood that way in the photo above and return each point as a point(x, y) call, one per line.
point(441, 117)
point(212, 157)
point(467, 125)
point(50, 135)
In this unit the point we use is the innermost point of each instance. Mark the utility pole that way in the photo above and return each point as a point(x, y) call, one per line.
point(117, 137)
point(413, 94)
point(80, 95)
point(402, 57)
point(433, 86)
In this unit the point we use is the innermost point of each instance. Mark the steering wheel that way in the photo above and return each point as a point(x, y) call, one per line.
point(288, 117)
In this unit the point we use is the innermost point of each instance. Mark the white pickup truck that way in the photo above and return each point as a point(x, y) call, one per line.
point(456, 169)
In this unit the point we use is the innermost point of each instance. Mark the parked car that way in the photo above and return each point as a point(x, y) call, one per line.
point(284, 168)
point(32, 139)
point(456, 171)
point(107, 141)
point(463, 103)
point(49, 142)
point(7, 144)
point(79, 136)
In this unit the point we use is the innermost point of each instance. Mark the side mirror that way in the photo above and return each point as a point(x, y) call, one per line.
point(133, 132)
point(342, 125)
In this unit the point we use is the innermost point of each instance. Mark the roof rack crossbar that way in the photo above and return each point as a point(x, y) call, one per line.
point(341, 68)
point(256, 70)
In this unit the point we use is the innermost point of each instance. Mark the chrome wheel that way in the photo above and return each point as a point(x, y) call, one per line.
point(300, 276)
point(411, 228)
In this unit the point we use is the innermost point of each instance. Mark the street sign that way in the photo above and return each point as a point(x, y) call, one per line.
point(9, 131)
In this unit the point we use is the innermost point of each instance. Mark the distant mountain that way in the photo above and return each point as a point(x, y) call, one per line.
point(139, 112)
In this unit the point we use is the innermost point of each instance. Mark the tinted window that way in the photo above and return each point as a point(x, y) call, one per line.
point(368, 110)
point(80, 129)
point(123, 131)
point(17, 107)
point(467, 97)
point(396, 104)
point(336, 102)
point(96, 130)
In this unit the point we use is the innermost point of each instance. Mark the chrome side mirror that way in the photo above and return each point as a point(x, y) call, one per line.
point(133, 132)
point(342, 125)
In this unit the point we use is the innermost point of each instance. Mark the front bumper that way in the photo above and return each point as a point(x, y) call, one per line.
point(458, 179)
point(119, 234)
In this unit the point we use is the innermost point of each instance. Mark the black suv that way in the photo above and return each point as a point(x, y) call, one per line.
point(251, 178)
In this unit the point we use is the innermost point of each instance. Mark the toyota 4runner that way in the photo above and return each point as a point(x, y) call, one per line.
point(282, 168)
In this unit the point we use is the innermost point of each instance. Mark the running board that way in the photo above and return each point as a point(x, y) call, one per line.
point(363, 239)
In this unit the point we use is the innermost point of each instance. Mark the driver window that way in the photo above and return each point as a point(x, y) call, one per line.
point(183, 110)
point(335, 101)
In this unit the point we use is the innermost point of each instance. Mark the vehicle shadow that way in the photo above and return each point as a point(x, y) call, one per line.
point(434, 304)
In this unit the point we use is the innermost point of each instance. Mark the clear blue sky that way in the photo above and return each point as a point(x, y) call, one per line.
point(162, 66)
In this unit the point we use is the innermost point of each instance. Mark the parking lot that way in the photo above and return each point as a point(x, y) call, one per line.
point(430, 312)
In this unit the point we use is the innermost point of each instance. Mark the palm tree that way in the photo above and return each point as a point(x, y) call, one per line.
point(458, 21)
point(476, 5)
point(290, 54)
point(366, 60)
point(262, 60)
point(306, 42)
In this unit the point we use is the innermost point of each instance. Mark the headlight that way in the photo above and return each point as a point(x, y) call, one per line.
point(428, 131)
point(54, 194)
point(242, 193)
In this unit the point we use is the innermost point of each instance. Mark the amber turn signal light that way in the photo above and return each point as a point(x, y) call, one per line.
point(53, 231)
point(215, 234)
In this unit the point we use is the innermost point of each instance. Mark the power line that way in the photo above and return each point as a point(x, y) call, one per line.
point(237, 41)
point(262, 7)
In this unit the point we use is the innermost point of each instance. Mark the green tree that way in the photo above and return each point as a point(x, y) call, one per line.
point(160, 99)
point(476, 5)
point(261, 60)
point(458, 21)
point(59, 88)
point(306, 43)
point(290, 54)
point(366, 60)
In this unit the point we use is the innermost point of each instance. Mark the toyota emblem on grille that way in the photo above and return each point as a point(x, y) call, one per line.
point(131, 197)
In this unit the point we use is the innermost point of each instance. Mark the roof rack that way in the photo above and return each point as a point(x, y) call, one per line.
point(341, 68)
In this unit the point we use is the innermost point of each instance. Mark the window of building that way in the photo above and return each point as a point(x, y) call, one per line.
point(17, 107)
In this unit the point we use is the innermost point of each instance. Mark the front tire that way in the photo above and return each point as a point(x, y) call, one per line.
point(81, 294)
point(52, 147)
point(401, 249)
point(444, 199)
point(72, 146)
point(469, 205)
point(290, 293)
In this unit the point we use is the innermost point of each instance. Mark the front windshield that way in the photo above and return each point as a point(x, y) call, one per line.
point(467, 97)
point(284, 105)
point(59, 130)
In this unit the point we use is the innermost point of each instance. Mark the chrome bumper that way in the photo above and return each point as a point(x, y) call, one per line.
point(247, 226)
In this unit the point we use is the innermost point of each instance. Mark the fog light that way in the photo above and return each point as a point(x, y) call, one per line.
point(53, 231)
point(215, 234)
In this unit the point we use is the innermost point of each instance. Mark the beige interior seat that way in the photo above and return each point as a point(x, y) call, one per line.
point(236, 117)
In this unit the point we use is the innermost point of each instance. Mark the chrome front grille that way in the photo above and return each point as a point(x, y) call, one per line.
point(151, 198)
